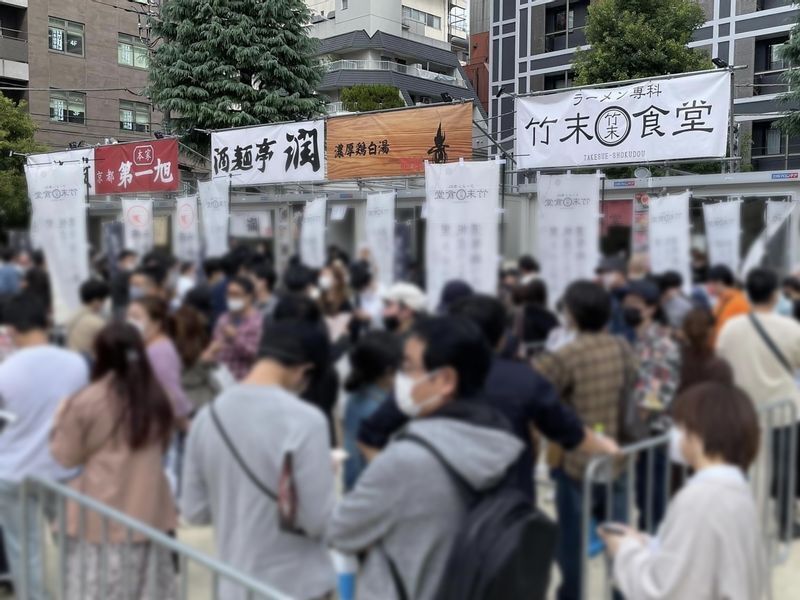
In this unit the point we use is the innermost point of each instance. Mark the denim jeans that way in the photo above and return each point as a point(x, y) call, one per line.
point(13, 528)
point(569, 506)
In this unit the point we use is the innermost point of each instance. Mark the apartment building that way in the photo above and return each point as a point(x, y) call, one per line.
point(533, 41)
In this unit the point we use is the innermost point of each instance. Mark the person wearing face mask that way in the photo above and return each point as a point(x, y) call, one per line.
point(83, 327)
point(146, 281)
point(405, 507)
point(613, 276)
point(238, 331)
point(403, 304)
point(710, 545)
point(120, 281)
point(236, 452)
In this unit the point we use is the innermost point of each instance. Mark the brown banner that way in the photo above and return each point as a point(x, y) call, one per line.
point(397, 142)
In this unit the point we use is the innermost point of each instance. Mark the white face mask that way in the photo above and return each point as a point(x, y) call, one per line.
point(676, 437)
point(136, 292)
point(313, 293)
point(236, 304)
point(325, 282)
point(608, 280)
point(403, 394)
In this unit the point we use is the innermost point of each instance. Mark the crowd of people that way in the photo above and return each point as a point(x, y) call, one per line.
point(227, 394)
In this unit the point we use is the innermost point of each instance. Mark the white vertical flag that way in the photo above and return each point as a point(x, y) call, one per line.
point(58, 198)
point(137, 217)
point(775, 216)
point(568, 230)
point(213, 196)
point(462, 241)
point(284, 237)
point(723, 228)
point(312, 233)
point(670, 245)
point(379, 230)
point(185, 230)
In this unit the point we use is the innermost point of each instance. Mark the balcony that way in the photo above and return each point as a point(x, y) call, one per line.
point(769, 82)
point(386, 65)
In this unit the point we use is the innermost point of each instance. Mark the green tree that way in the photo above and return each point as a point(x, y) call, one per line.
point(790, 52)
point(640, 38)
point(232, 63)
point(363, 98)
point(16, 140)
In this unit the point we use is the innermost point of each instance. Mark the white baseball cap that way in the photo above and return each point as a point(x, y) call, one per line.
point(407, 294)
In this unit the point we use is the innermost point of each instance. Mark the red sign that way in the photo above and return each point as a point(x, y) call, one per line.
point(617, 213)
point(147, 166)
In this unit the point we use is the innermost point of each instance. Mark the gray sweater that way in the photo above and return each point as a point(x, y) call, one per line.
point(264, 423)
point(407, 503)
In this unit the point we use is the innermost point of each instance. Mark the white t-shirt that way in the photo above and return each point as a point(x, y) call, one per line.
point(33, 381)
point(756, 369)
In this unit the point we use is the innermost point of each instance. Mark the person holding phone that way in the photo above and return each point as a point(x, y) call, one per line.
point(710, 544)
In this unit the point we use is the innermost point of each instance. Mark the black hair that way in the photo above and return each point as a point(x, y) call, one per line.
point(186, 267)
point(375, 355)
point(297, 278)
point(761, 285)
point(293, 343)
point(211, 266)
point(793, 283)
point(721, 274)
point(25, 312)
point(297, 306)
point(8, 254)
point(244, 283)
point(534, 293)
point(37, 284)
point(125, 254)
point(38, 259)
point(360, 275)
point(457, 343)
point(670, 280)
point(154, 272)
point(94, 289)
point(528, 264)
point(264, 272)
point(589, 304)
point(486, 312)
point(231, 263)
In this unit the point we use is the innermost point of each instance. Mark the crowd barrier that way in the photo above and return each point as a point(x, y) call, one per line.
point(44, 508)
point(642, 480)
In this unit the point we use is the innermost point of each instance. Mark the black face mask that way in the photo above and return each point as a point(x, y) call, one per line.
point(391, 323)
point(632, 316)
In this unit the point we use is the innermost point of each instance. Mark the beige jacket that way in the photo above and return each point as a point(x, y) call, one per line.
point(131, 481)
point(82, 329)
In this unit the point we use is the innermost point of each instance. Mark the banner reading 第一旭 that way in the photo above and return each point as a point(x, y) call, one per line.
point(312, 233)
point(213, 197)
point(462, 240)
point(568, 230)
point(58, 199)
point(669, 236)
point(379, 230)
point(659, 119)
point(723, 233)
point(137, 217)
point(185, 230)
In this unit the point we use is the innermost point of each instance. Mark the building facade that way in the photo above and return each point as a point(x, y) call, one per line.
point(533, 41)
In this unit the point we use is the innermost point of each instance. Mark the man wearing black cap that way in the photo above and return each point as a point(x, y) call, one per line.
point(236, 457)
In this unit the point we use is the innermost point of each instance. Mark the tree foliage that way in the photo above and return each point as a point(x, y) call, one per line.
point(639, 38)
point(363, 98)
point(790, 52)
point(16, 139)
point(233, 63)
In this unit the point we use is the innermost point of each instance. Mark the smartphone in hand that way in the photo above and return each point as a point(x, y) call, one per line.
point(613, 529)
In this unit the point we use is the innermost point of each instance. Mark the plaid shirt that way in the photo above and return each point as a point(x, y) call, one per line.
point(590, 374)
point(239, 353)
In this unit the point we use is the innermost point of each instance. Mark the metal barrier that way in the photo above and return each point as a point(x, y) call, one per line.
point(44, 503)
point(646, 479)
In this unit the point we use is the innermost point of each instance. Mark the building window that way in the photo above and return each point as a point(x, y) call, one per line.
point(134, 116)
point(345, 4)
point(65, 37)
point(564, 25)
point(132, 52)
point(559, 81)
point(774, 60)
point(419, 16)
point(68, 107)
point(769, 4)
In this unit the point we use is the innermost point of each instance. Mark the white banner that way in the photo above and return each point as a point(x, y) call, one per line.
point(213, 198)
point(775, 216)
point(58, 198)
point(462, 241)
point(82, 156)
point(254, 224)
point(723, 233)
point(670, 245)
point(568, 230)
point(137, 216)
point(663, 119)
point(284, 237)
point(379, 232)
point(312, 233)
point(185, 230)
point(270, 153)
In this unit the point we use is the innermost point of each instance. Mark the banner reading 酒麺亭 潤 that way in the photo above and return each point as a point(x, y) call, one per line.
point(675, 118)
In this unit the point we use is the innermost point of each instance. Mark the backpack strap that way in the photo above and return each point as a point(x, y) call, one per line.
point(397, 580)
point(460, 482)
point(771, 344)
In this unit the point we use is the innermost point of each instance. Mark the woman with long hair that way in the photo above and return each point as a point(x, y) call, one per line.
point(699, 362)
point(191, 337)
point(117, 430)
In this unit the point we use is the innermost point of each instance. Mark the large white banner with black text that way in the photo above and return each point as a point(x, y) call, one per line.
point(660, 119)
point(670, 241)
point(312, 233)
point(379, 231)
point(776, 215)
point(269, 153)
point(462, 240)
point(568, 229)
point(213, 197)
point(185, 230)
point(82, 156)
point(723, 233)
point(137, 216)
point(58, 200)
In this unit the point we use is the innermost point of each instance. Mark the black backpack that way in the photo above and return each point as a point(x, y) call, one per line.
point(505, 548)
